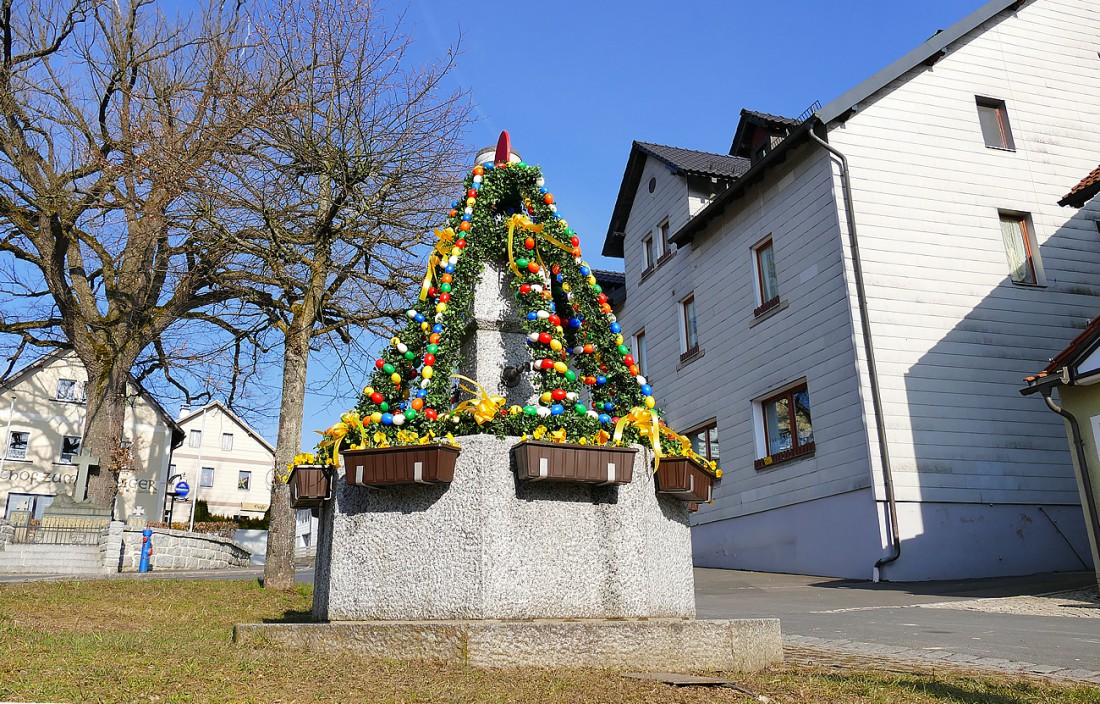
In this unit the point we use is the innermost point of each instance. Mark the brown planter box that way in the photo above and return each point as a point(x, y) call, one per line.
point(684, 479)
point(310, 485)
point(411, 464)
point(585, 464)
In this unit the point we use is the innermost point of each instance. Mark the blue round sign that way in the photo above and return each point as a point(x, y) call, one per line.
point(182, 489)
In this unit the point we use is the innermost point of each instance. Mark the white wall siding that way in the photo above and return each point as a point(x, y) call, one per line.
point(953, 336)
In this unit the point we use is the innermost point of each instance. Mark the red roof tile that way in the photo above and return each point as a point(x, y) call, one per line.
point(1082, 192)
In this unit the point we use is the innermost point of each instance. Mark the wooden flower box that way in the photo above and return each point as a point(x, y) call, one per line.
point(684, 479)
point(584, 464)
point(310, 485)
point(409, 464)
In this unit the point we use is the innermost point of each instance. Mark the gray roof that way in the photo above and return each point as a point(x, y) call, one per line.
point(694, 162)
point(767, 117)
point(926, 53)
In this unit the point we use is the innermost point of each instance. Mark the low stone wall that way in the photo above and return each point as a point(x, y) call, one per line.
point(172, 550)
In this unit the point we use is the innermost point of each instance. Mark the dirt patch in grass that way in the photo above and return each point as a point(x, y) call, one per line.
point(171, 641)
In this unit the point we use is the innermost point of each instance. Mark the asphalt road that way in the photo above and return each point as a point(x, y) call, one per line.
point(890, 615)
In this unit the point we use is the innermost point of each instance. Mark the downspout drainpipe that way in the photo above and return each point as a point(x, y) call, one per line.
point(872, 369)
point(1082, 462)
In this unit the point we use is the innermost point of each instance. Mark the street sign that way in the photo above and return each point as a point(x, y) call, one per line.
point(182, 489)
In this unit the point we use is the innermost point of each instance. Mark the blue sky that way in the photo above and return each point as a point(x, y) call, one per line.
point(575, 82)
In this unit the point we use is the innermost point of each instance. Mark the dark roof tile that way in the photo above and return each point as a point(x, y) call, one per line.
point(693, 162)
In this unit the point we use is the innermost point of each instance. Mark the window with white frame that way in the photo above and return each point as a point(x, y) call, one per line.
point(785, 426)
point(767, 284)
point(649, 260)
point(641, 353)
point(68, 390)
point(70, 448)
point(1020, 248)
point(244, 480)
point(206, 476)
point(17, 444)
point(662, 233)
point(227, 441)
point(194, 439)
point(689, 329)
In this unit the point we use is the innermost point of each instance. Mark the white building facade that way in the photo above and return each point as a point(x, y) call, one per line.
point(42, 415)
point(944, 170)
point(225, 463)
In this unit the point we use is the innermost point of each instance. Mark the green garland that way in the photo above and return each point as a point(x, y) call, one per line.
point(568, 322)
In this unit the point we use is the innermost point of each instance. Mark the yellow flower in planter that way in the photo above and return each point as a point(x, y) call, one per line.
point(539, 432)
point(557, 435)
point(602, 437)
point(582, 441)
point(717, 474)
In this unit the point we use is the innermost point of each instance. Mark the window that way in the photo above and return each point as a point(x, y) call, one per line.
point(994, 121)
point(68, 390)
point(689, 343)
point(662, 230)
point(195, 438)
point(1020, 248)
point(227, 441)
point(787, 428)
point(767, 285)
point(206, 478)
point(647, 253)
point(70, 448)
point(641, 355)
point(704, 440)
point(17, 444)
point(244, 480)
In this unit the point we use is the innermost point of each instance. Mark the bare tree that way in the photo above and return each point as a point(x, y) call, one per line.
point(112, 117)
point(331, 201)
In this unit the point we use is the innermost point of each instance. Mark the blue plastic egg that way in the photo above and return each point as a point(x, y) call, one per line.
point(557, 409)
point(647, 390)
point(604, 418)
point(616, 328)
point(387, 419)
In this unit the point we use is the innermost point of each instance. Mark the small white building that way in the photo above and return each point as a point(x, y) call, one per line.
point(843, 306)
point(225, 462)
point(42, 414)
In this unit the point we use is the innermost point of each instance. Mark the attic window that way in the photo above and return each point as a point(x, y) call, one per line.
point(652, 183)
point(993, 117)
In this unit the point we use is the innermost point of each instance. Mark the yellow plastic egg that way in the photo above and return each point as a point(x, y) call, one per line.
point(618, 339)
point(426, 373)
point(395, 378)
point(561, 367)
point(368, 390)
point(424, 326)
point(555, 345)
point(566, 287)
point(591, 280)
point(470, 201)
point(376, 417)
point(395, 340)
point(649, 402)
point(440, 307)
point(546, 397)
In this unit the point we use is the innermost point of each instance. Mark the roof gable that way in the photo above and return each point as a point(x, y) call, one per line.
point(1078, 351)
point(685, 162)
point(752, 125)
point(232, 416)
point(927, 53)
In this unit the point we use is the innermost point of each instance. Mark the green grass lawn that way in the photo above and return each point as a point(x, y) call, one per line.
point(171, 641)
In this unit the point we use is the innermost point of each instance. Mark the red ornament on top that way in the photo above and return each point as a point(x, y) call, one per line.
point(504, 148)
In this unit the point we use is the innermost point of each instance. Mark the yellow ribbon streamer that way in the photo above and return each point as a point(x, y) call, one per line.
point(647, 422)
point(333, 437)
point(524, 222)
point(440, 251)
point(483, 409)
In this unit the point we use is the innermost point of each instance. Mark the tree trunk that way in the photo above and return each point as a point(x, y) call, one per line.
point(104, 429)
point(279, 569)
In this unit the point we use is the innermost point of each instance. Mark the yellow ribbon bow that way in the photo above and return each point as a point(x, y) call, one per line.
point(647, 422)
point(440, 251)
point(333, 437)
point(483, 409)
point(522, 221)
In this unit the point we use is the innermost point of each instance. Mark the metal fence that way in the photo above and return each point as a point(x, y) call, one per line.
point(57, 530)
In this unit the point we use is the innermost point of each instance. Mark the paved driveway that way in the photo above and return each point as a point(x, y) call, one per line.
point(985, 623)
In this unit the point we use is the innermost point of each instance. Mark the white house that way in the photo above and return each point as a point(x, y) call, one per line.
point(42, 413)
point(225, 462)
point(842, 307)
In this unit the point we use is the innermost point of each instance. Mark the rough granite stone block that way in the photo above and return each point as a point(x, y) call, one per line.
point(488, 547)
point(494, 339)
